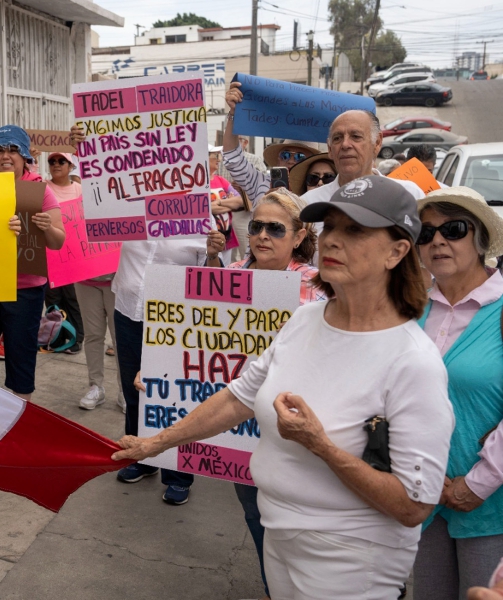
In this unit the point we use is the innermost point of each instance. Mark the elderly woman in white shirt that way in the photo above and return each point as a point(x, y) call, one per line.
point(348, 530)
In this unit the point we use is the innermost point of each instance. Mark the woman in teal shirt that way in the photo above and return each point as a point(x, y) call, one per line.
point(462, 541)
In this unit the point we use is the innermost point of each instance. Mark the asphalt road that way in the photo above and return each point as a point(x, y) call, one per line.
point(476, 110)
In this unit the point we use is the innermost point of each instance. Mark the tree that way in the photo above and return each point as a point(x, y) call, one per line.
point(352, 23)
point(187, 19)
point(387, 50)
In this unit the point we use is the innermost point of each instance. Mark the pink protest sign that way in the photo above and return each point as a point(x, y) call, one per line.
point(219, 285)
point(169, 96)
point(215, 461)
point(111, 102)
point(78, 259)
point(177, 206)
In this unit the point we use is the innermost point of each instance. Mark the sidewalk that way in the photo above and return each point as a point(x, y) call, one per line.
point(116, 541)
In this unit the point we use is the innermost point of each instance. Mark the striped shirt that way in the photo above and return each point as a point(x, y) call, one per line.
point(254, 182)
point(308, 293)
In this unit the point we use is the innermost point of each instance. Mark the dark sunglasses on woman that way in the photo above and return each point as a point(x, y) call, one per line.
point(59, 161)
point(312, 179)
point(274, 229)
point(452, 230)
point(297, 156)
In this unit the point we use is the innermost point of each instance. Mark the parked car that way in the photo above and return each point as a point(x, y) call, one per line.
point(429, 94)
point(387, 75)
point(431, 136)
point(392, 83)
point(479, 75)
point(478, 166)
point(399, 126)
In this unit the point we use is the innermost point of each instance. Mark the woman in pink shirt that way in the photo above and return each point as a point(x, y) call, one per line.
point(224, 199)
point(462, 541)
point(20, 320)
point(60, 167)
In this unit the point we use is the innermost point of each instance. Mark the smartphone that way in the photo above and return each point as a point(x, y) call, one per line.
point(279, 177)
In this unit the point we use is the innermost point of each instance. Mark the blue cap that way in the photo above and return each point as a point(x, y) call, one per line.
point(12, 135)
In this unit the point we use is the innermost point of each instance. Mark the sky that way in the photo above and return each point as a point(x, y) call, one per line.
point(432, 31)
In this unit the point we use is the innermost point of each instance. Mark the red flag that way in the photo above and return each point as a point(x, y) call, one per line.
point(44, 456)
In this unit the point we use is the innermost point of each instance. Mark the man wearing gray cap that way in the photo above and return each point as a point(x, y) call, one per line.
point(354, 141)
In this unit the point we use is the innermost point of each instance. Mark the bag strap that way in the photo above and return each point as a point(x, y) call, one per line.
point(71, 330)
point(483, 439)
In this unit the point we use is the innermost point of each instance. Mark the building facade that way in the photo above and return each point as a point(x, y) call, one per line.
point(44, 48)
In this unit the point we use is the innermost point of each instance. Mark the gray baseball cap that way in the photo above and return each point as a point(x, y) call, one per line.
point(371, 201)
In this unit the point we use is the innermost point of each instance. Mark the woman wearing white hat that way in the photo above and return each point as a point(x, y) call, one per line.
point(463, 539)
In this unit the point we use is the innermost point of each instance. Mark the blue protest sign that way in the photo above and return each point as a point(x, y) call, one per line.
point(274, 108)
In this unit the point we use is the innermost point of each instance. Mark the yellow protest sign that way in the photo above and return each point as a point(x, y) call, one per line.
point(8, 245)
point(414, 170)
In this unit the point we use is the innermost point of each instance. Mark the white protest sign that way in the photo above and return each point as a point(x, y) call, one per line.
point(202, 329)
point(144, 162)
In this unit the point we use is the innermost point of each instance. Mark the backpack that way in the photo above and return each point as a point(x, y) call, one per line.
point(55, 333)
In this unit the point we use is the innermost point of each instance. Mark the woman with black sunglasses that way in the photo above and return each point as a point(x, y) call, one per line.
point(462, 541)
point(312, 173)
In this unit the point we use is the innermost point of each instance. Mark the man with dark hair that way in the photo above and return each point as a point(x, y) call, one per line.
point(425, 154)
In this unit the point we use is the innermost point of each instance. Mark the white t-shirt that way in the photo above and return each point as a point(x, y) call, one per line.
point(347, 377)
point(325, 192)
point(129, 281)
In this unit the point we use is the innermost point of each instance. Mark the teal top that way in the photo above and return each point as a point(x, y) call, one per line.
point(474, 365)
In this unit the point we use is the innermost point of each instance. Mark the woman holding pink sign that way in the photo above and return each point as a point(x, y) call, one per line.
point(224, 199)
point(64, 296)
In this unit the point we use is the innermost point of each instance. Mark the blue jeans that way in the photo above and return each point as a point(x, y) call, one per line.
point(20, 322)
point(128, 338)
point(247, 495)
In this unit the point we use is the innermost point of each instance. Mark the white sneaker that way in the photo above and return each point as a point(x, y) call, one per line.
point(121, 401)
point(95, 396)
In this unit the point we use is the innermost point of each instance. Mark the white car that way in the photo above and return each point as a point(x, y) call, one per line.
point(394, 67)
point(478, 166)
point(399, 80)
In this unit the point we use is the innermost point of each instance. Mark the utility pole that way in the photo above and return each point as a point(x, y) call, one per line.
point(310, 37)
point(484, 55)
point(138, 29)
point(373, 31)
point(253, 55)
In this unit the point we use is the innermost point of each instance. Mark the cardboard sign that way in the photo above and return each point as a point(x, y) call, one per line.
point(414, 170)
point(31, 246)
point(78, 259)
point(144, 163)
point(273, 108)
point(47, 140)
point(8, 243)
point(202, 328)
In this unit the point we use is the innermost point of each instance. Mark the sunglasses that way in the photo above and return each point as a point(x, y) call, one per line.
point(58, 161)
point(312, 179)
point(297, 156)
point(273, 229)
point(452, 230)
